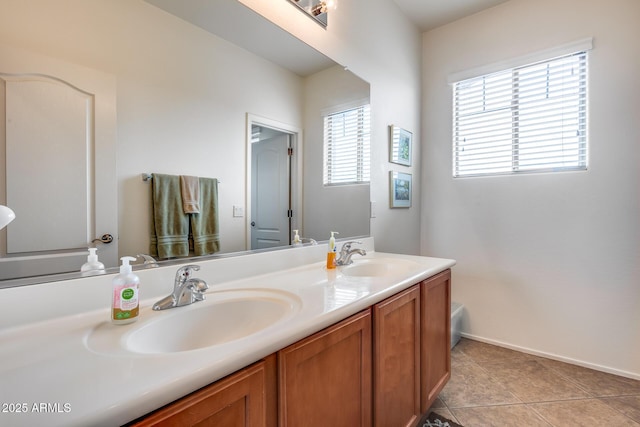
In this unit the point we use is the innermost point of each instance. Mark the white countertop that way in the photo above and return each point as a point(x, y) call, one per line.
point(51, 372)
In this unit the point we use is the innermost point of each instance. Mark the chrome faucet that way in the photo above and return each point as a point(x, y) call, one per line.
point(346, 253)
point(149, 261)
point(186, 289)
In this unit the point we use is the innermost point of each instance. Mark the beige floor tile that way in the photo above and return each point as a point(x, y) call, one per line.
point(596, 383)
point(491, 386)
point(581, 413)
point(628, 405)
point(458, 356)
point(437, 404)
point(470, 385)
point(531, 381)
point(499, 416)
point(480, 352)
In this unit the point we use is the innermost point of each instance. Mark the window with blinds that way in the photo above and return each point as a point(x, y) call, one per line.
point(347, 147)
point(525, 119)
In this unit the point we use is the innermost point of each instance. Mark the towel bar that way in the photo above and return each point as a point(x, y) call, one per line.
point(147, 177)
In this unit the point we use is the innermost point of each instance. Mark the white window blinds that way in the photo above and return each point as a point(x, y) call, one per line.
point(347, 147)
point(525, 119)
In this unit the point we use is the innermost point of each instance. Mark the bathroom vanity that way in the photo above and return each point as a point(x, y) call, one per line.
point(279, 340)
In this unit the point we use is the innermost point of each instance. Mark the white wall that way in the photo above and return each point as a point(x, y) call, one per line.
point(182, 97)
point(546, 262)
point(379, 44)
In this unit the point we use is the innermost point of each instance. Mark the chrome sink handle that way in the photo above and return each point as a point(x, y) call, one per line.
point(149, 261)
point(184, 273)
point(186, 289)
point(346, 246)
point(197, 288)
point(346, 253)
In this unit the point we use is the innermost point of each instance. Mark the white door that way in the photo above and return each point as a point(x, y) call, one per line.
point(270, 192)
point(58, 153)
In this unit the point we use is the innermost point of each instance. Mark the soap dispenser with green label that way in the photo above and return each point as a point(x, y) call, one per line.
point(125, 304)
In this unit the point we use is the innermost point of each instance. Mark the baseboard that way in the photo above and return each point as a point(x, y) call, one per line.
point(553, 356)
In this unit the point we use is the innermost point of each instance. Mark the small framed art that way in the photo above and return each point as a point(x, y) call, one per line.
point(400, 189)
point(400, 145)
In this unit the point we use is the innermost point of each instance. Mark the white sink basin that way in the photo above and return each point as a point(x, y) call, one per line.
point(223, 317)
point(378, 267)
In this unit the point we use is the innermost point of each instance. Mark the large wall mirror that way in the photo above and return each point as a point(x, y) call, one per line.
point(182, 85)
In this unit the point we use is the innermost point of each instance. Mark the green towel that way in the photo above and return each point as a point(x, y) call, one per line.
point(169, 225)
point(205, 227)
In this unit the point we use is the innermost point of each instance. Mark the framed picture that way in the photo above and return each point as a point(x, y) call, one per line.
point(400, 189)
point(400, 145)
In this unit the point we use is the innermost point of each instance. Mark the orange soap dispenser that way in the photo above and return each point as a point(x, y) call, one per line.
point(331, 254)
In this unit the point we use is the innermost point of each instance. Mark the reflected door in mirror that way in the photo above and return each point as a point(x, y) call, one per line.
point(270, 198)
point(50, 140)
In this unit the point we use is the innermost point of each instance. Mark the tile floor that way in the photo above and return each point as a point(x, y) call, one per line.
point(494, 386)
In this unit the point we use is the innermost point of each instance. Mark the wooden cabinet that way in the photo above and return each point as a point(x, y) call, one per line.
point(382, 367)
point(325, 379)
point(246, 398)
point(396, 360)
point(435, 315)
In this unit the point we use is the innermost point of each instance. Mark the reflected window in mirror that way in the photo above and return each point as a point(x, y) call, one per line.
point(347, 147)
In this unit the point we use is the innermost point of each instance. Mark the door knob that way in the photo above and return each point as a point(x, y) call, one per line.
point(105, 238)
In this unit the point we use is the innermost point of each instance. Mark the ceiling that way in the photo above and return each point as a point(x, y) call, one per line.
point(256, 34)
point(269, 41)
point(429, 14)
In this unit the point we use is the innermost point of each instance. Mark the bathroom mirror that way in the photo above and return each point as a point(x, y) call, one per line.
point(187, 76)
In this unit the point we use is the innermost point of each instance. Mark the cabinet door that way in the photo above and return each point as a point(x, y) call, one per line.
point(325, 379)
point(243, 399)
point(436, 336)
point(396, 360)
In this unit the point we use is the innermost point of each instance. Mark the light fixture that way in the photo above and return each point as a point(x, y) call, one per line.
point(6, 216)
point(316, 9)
